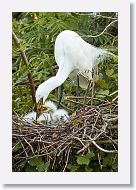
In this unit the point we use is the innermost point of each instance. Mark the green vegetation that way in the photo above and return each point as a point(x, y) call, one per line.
point(37, 33)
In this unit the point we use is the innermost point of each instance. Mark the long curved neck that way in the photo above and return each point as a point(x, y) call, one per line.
point(57, 80)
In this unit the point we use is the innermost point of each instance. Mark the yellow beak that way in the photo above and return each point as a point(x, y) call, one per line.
point(40, 108)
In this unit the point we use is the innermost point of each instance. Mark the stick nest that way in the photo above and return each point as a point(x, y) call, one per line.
point(92, 127)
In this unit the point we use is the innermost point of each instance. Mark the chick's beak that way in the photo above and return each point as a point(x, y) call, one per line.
point(45, 109)
point(38, 109)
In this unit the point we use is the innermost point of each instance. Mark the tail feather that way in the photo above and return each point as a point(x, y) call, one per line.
point(105, 55)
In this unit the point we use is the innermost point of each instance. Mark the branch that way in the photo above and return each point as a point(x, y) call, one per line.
point(87, 90)
point(25, 60)
point(91, 36)
point(100, 148)
point(101, 16)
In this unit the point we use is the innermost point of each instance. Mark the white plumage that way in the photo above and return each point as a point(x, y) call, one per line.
point(51, 115)
point(74, 57)
point(60, 115)
point(30, 117)
point(51, 106)
point(45, 118)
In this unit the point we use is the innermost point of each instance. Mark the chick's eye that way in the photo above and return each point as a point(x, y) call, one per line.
point(45, 108)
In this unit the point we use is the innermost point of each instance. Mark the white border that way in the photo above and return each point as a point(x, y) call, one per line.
point(9, 177)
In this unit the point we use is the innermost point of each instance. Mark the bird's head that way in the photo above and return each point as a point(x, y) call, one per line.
point(45, 107)
point(42, 93)
point(41, 96)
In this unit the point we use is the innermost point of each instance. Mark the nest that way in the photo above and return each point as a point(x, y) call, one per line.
point(92, 127)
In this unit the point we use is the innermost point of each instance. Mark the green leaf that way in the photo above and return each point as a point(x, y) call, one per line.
point(43, 167)
point(101, 83)
point(46, 165)
point(103, 92)
point(109, 72)
point(90, 155)
point(72, 168)
point(35, 161)
point(40, 168)
point(110, 160)
point(30, 169)
point(115, 166)
point(88, 169)
point(18, 146)
point(115, 59)
point(77, 121)
point(83, 160)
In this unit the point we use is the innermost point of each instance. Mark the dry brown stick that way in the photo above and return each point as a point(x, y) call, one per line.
point(98, 142)
point(99, 160)
point(24, 150)
point(93, 84)
point(82, 97)
point(67, 159)
point(73, 101)
point(78, 139)
point(84, 101)
point(96, 121)
point(54, 160)
point(30, 146)
point(100, 148)
point(107, 141)
point(25, 60)
point(64, 148)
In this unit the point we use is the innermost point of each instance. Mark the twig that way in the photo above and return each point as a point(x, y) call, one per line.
point(25, 60)
point(76, 138)
point(84, 101)
point(29, 145)
point(64, 148)
point(24, 149)
point(113, 93)
point(93, 84)
point(100, 148)
point(99, 159)
point(96, 15)
point(53, 142)
point(67, 159)
point(95, 36)
point(111, 119)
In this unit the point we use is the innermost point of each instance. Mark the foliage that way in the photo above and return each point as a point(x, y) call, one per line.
point(37, 33)
point(89, 163)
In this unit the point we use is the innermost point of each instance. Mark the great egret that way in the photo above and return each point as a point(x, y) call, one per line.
point(49, 114)
point(74, 57)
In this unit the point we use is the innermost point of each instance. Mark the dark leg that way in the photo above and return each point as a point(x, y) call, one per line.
point(78, 87)
point(78, 91)
point(60, 95)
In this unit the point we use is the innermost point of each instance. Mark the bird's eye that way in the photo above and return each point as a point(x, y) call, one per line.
point(45, 109)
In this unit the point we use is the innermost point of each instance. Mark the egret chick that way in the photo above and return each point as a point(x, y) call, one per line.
point(30, 117)
point(45, 107)
point(50, 113)
point(44, 118)
point(60, 115)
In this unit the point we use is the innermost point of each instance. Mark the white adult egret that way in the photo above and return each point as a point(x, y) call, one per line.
point(49, 114)
point(74, 57)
